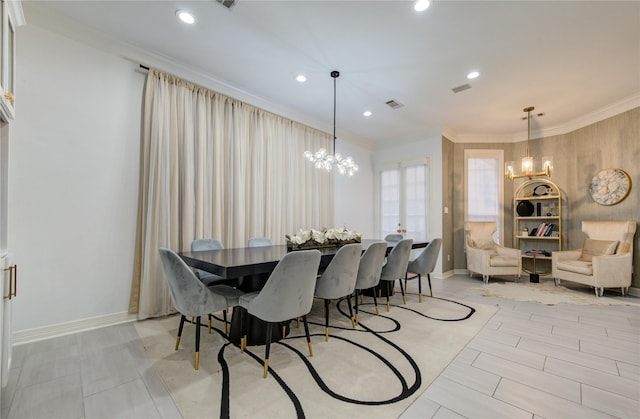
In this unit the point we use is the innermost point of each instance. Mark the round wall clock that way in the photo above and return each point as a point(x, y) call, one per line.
point(610, 186)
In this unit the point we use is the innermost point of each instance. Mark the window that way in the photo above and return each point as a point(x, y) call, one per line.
point(483, 187)
point(403, 197)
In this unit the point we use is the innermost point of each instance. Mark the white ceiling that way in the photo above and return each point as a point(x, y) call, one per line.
point(567, 58)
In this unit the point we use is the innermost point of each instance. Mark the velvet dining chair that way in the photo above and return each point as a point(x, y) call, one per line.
point(203, 245)
point(396, 267)
point(369, 270)
point(287, 294)
point(259, 242)
point(424, 264)
point(394, 237)
point(339, 280)
point(192, 298)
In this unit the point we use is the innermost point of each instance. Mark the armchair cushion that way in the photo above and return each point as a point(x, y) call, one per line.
point(503, 261)
point(486, 244)
point(593, 248)
point(577, 266)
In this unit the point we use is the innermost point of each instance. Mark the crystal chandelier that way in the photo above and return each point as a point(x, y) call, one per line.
point(326, 161)
point(527, 166)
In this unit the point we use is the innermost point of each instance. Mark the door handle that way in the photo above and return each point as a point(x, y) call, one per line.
point(13, 281)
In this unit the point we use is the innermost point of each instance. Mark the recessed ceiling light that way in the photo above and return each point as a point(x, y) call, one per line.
point(473, 75)
point(301, 78)
point(366, 114)
point(186, 17)
point(421, 5)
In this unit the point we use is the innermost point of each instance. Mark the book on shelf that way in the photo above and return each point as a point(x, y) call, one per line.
point(544, 230)
point(549, 230)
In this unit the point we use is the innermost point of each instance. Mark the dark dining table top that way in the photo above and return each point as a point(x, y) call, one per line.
point(245, 261)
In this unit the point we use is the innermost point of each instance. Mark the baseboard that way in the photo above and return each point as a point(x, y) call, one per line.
point(634, 291)
point(47, 332)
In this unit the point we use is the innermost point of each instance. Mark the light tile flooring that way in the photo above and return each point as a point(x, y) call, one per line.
point(530, 361)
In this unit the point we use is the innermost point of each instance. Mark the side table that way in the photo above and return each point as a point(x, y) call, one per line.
point(536, 269)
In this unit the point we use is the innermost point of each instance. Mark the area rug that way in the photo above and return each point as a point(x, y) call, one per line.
point(374, 371)
point(546, 292)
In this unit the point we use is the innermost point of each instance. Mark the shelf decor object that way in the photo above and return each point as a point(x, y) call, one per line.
point(321, 159)
point(525, 208)
point(527, 166)
point(610, 186)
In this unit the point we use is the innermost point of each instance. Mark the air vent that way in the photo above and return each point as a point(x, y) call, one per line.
point(461, 88)
point(394, 104)
point(227, 3)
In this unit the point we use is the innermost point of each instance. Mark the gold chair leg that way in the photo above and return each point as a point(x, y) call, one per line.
point(284, 331)
point(404, 300)
point(266, 368)
point(197, 360)
point(388, 307)
point(326, 334)
point(357, 320)
point(243, 343)
point(209, 325)
point(420, 297)
point(377, 311)
point(310, 349)
point(361, 299)
point(177, 342)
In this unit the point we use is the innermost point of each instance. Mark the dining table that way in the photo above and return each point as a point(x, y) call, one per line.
point(249, 268)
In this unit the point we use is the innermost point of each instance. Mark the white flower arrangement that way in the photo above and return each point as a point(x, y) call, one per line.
point(311, 239)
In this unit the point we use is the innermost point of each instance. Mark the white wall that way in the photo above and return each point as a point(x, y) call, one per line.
point(353, 199)
point(73, 179)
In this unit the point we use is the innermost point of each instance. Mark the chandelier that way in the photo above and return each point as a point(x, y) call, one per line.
point(326, 161)
point(527, 166)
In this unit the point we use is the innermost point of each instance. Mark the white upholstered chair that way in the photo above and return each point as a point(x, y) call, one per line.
point(486, 257)
point(605, 259)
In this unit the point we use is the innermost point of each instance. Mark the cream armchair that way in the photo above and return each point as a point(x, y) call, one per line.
point(486, 257)
point(605, 259)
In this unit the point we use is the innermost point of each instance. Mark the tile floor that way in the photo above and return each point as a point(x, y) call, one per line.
point(530, 361)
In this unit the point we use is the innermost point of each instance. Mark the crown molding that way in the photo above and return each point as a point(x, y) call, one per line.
point(616, 108)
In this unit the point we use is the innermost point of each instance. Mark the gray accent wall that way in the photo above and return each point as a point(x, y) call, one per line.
point(578, 156)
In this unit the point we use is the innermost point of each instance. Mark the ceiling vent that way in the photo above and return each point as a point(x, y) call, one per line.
point(227, 3)
point(461, 88)
point(394, 104)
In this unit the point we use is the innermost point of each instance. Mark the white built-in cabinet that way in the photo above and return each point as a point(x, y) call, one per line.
point(11, 17)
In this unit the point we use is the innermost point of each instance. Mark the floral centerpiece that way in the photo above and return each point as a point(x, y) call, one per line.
point(315, 239)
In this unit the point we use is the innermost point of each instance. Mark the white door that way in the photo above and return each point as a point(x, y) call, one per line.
point(403, 199)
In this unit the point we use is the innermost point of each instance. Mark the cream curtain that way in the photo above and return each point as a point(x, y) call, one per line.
point(214, 167)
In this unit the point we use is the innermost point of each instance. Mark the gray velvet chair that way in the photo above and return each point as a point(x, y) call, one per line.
point(260, 242)
point(396, 267)
point(393, 237)
point(424, 264)
point(339, 280)
point(203, 245)
point(287, 294)
point(192, 298)
point(369, 270)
